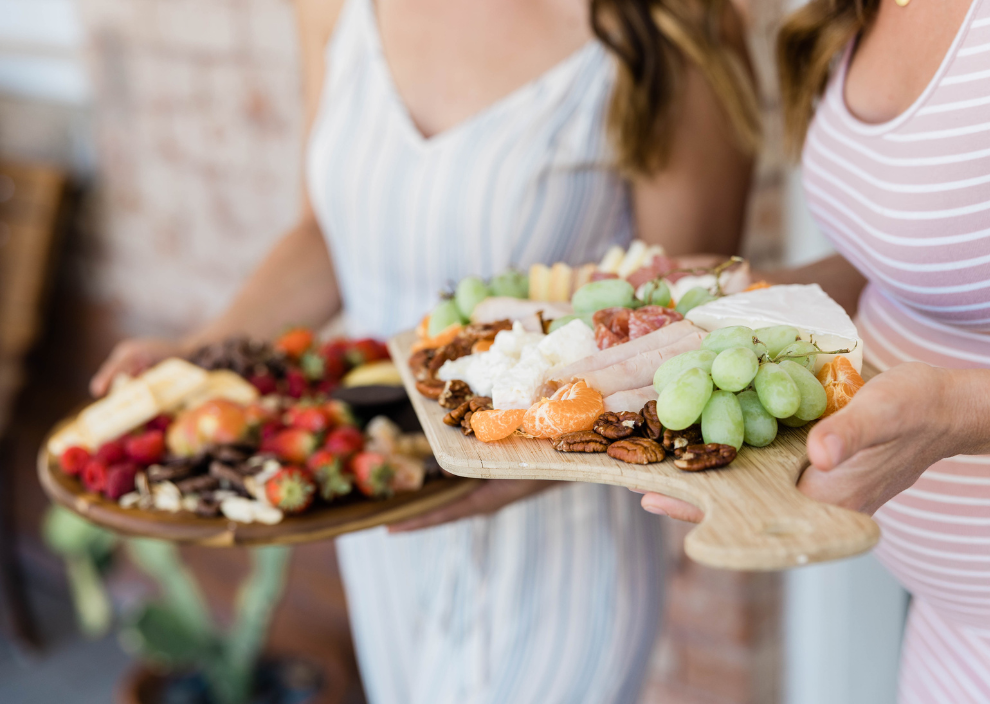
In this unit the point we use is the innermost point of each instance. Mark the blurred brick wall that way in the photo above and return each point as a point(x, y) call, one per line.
point(199, 131)
point(198, 115)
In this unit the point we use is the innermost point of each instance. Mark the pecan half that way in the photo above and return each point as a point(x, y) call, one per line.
point(480, 403)
point(581, 441)
point(455, 417)
point(616, 426)
point(676, 440)
point(652, 428)
point(485, 331)
point(419, 363)
point(636, 451)
point(460, 347)
point(431, 388)
point(454, 393)
point(466, 423)
point(710, 456)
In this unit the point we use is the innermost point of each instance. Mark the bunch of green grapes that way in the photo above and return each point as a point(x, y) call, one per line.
point(469, 293)
point(740, 384)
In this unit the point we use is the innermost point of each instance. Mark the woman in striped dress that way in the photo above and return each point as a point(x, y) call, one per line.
point(897, 174)
point(450, 139)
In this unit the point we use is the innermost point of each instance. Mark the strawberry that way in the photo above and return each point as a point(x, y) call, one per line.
point(260, 414)
point(146, 448)
point(94, 475)
point(296, 383)
point(311, 418)
point(345, 440)
point(111, 452)
point(74, 459)
point(291, 445)
point(339, 413)
point(366, 350)
point(335, 364)
point(291, 489)
point(120, 479)
point(159, 422)
point(326, 386)
point(295, 342)
point(372, 474)
point(264, 383)
point(328, 470)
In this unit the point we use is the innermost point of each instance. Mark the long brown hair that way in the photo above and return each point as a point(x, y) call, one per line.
point(807, 45)
point(653, 40)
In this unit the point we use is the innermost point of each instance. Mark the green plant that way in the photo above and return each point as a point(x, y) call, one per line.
point(176, 631)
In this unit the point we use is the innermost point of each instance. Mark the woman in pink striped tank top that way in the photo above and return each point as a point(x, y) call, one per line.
point(896, 166)
point(902, 189)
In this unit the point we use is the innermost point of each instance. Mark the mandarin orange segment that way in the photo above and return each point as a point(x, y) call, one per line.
point(841, 382)
point(756, 286)
point(491, 426)
point(572, 408)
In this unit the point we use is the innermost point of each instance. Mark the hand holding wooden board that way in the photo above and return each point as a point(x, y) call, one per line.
point(755, 518)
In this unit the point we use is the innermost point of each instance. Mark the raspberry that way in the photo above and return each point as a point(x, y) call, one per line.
point(159, 422)
point(264, 383)
point(295, 384)
point(111, 452)
point(94, 476)
point(120, 480)
point(73, 460)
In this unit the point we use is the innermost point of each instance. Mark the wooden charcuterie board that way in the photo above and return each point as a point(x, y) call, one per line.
point(348, 515)
point(755, 518)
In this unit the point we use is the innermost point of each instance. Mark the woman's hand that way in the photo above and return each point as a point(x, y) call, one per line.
point(899, 424)
point(131, 357)
point(492, 495)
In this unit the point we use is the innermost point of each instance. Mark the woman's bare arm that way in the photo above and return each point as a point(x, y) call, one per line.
point(834, 274)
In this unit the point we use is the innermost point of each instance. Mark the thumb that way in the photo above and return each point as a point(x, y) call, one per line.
point(835, 439)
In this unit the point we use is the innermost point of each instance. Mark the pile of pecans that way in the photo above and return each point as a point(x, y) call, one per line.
point(639, 438)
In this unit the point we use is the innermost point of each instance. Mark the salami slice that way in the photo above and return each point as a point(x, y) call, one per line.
point(649, 318)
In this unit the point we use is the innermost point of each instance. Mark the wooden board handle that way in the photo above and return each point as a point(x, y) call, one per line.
point(772, 526)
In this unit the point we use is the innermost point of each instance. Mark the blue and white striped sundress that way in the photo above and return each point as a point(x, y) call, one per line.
point(554, 599)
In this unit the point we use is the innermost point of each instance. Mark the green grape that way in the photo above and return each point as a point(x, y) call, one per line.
point(511, 283)
point(777, 337)
point(608, 293)
point(801, 352)
point(813, 398)
point(722, 420)
point(657, 294)
point(693, 298)
point(445, 314)
point(734, 368)
point(760, 426)
point(777, 392)
point(793, 422)
point(565, 319)
point(470, 292)
point(682, 400)
point(733, 336)
point(675, 366)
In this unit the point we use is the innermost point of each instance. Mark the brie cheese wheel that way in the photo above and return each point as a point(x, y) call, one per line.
point(806, 307)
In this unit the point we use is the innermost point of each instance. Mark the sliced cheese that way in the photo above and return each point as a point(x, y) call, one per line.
point(125, 409)
point(583, 275)
point(539, 282)
point(806, 307)
point(561, 276)
point(634, 259)
point(174, 380)
point(224, 384)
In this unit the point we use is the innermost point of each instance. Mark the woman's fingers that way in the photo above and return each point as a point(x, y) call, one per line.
point(668, 506)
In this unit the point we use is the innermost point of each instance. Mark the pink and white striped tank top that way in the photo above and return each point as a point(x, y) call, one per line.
point(908, 203)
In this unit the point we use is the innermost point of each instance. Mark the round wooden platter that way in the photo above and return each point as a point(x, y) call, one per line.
point(754, 516)
point(349, 515)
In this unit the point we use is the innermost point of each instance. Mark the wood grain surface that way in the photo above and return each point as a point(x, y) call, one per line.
point(755, 518)
point(320, 523)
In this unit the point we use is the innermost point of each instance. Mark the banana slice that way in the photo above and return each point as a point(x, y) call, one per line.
point(539, 282)
point(383, 373)
point(225, 384)
point(561, 277)
point(72, 435)
point(612, 260)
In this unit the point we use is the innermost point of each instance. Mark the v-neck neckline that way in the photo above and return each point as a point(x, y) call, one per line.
point(388, 78)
